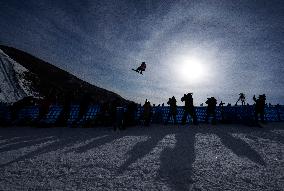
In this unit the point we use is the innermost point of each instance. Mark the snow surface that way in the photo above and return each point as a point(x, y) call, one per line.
point(222, 157)
point(13, 85)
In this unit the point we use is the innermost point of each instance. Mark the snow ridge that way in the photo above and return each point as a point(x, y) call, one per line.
point(13, 85)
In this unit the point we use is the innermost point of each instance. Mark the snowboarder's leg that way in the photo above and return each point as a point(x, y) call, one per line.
point(237, 101)
point(138, 69)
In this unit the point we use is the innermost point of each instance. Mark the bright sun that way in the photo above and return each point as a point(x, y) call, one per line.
point(190, 69)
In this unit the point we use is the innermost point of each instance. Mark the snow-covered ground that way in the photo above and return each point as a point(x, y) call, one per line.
point(222, 157)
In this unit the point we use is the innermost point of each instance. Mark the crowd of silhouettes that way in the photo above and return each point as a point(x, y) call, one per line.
point(119, 114)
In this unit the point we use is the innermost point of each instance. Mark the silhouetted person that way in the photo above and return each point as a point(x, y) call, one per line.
point(147, 113)
point(188, 108)
point(211, 109)
point(141, 68)
point(173, 109)
point(130, 114)
point(104, 113)
point(221, 105)
point(242, 98)
point(117, 113)
point(259, 107)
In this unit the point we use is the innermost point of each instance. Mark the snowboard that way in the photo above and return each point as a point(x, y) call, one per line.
point(137, 71)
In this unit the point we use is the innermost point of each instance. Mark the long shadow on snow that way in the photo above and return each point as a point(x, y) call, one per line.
point(141, 149)
point(15, 140)
point(264, 132)
point(239, 146)
point(60, 142)
point(254, 132)
point(95, 143)
point(176, 163)
point(24, 143)
point(267, 134)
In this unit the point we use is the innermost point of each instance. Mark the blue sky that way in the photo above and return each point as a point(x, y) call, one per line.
point(211, 48)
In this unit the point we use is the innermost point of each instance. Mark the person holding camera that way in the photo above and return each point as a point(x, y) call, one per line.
point(173, 110)
point(211, 109)
point(188, 108)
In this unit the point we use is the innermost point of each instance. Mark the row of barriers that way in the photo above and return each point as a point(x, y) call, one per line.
point(159, 114)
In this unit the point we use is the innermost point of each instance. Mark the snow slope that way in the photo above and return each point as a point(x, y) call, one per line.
point(13, 85)
point(222, 157)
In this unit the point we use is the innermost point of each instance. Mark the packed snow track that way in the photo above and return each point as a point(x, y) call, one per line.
point(204, 157)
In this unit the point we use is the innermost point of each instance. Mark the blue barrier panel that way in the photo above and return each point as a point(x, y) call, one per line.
point(271, 113)
point(200, 113)
point(74, 112)
point(281, 112)
point(52, 115)
point(28, 113)
point(157, 116)
point(139, 114)
point(91, 114)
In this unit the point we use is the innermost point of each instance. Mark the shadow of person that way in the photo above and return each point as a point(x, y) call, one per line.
point(176, 163)
point(16, 140)
point(24, 143)
point(239, 147)
point(94, 143)
point(59, 141)
point(141, 149)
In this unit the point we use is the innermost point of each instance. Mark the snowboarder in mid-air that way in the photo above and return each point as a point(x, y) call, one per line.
point(141, 68)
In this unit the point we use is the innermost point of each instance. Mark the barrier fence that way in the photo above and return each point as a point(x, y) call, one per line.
point(159, 114)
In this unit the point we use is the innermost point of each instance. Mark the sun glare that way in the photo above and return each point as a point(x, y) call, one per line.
point(190, 69)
